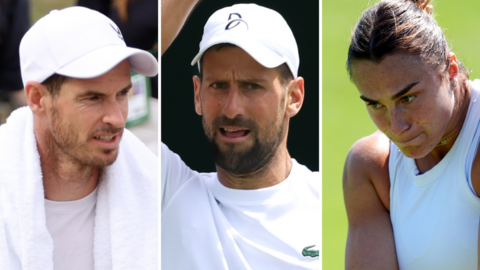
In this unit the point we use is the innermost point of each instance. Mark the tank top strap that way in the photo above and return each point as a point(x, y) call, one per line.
point(394, 161)
point(472, 147)
point(468, 136)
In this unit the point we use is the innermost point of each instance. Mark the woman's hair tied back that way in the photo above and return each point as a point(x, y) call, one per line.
point(400, 26)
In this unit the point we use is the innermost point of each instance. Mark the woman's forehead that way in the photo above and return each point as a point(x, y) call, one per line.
point(392, 73)
point(389, 67)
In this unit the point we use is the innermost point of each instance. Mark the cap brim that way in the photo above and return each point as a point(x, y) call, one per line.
point(100, 61)
point(263, 55)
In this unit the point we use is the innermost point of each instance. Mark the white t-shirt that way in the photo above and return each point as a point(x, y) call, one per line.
point(71, 224)
point(206, 225)
point(435, 215)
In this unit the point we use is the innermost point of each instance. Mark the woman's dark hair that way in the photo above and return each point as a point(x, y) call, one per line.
point(400, 26)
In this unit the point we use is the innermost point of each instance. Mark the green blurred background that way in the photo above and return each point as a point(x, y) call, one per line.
point(345, 119)
point(38, 8)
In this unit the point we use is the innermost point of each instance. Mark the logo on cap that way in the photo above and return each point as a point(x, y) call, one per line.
point(117, 30)
point(235, 22)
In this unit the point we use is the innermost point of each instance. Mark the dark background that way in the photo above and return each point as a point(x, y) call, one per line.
point(181, 127)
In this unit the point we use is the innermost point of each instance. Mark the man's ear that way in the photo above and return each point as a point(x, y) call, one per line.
point(37, 97)
point(196, 88)
point(295, 96)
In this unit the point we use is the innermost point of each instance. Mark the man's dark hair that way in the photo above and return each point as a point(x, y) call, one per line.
point(54, 83)
point(283, 70)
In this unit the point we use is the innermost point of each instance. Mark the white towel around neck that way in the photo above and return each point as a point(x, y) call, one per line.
point(126, 222)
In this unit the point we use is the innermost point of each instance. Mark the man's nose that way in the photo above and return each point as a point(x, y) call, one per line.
point(114, 113)
point(234, 103)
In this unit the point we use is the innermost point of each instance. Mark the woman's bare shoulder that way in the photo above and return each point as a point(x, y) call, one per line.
point(367, 164)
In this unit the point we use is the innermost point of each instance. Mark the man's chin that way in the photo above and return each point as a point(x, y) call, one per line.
point(110, 156)
point(102, 159)
point(234, 147)
point(235, 160)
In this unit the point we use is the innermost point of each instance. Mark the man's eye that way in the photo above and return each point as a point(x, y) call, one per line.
point(219, 85)
point(253, 86)
point(124, 92)
point(92, 98)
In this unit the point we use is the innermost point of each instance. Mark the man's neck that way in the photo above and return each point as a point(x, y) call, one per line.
point(64, 179)
point(273, 173)
point(68, 182)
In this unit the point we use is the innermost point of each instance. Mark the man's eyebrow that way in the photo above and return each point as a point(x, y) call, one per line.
point(96, 93)
point(91, 93)
point(213, 78)
point(251, 80)
point(130, 85)
point(400, 93)
point(246, 80)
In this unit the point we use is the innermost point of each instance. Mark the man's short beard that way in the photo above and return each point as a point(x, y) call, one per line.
point(253, 159)
point(63, 142)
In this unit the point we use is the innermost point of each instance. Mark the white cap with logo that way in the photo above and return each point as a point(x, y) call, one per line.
point(79, 43)
point(261, 32)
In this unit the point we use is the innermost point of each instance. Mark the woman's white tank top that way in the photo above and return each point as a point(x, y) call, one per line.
point(435, 215)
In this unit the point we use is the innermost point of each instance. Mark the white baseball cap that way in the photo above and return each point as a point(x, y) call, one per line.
point(261, 32)
point(80, 43)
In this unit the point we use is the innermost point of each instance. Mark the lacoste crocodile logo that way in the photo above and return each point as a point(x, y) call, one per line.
point(307, 252)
